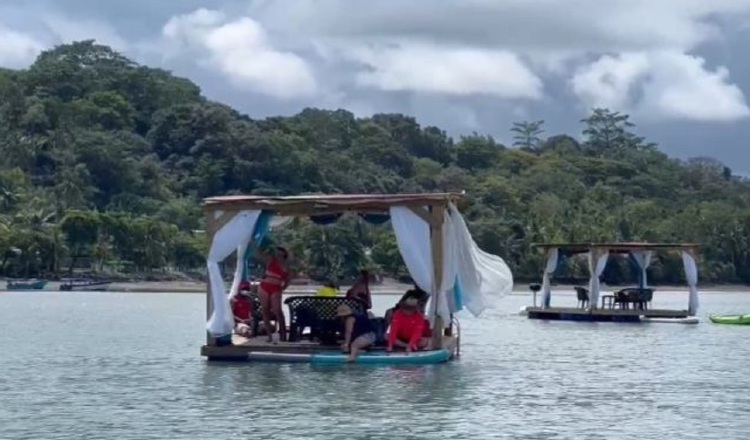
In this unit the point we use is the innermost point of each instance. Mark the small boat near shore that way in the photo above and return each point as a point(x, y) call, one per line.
point(26, 284)
point(86, 285)
point(730, 319)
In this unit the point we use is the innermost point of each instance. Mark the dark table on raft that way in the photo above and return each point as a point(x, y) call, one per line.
point(639, 297)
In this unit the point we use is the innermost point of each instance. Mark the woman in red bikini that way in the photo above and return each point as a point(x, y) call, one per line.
point(275, 280)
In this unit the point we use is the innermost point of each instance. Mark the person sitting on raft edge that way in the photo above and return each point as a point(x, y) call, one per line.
point(358, 331)
point(408, 327)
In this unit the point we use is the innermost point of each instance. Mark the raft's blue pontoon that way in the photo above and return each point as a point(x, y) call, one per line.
point(374, 358)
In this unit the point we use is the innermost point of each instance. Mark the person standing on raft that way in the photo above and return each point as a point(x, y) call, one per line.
point(275, 280)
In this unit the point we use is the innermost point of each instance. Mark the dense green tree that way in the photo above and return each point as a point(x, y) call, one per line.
point(105, 163)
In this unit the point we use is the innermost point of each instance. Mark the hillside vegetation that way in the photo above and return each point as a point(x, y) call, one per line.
point(104, 163)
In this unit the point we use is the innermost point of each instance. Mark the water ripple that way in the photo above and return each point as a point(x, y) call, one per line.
point(126, 366)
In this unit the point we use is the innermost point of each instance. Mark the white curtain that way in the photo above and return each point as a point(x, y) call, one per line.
point(552, 256)
point(643, 260)
point(483, 277)
point(691, 276)
point(597, 263)
point(413, 238)
point(233, 236)
point(415, 246)
point(450, 267)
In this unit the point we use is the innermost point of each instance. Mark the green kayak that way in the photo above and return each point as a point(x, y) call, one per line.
point(730, 319)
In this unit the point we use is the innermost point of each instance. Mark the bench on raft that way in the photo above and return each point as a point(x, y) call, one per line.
point(319, 314)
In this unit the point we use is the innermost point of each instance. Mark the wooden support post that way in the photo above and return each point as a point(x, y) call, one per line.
point(437, 213)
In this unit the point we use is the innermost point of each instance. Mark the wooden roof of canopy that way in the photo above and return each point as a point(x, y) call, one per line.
point(330, 203)
point(617, 248)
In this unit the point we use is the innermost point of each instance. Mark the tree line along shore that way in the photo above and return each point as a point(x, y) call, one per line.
point(105, 163)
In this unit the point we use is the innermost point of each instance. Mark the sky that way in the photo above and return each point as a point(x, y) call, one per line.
point(678, 67)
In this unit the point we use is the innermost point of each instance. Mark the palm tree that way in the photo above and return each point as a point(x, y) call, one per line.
point(527, 134)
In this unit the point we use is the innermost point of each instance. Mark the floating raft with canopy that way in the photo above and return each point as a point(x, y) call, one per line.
point(625, 305)
point(432, 237)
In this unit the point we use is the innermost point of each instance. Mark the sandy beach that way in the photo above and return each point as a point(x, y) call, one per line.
point(200, 287)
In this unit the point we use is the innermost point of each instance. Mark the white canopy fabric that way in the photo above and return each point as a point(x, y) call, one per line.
point(477, 276)
point(482, 277)
point(691, 276)
point(235, 235)
point(643, 260)
point(597, 264)
point(552, 257)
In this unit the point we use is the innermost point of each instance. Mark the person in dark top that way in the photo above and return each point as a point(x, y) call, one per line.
point(361, 290)
point(358, 331)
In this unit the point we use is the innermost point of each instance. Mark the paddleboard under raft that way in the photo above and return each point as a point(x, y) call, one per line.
point(336, 358)
point(257, 350)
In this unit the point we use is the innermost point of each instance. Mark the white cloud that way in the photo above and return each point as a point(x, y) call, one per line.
point(241, 50)
point(66, 30)
point(17, 49)
point(660, 85)
point(35, 29)
point(608, 81)
point(411, 46)
point(564, 26)
point(685, 89)
point(452, 71)
point(466, 51)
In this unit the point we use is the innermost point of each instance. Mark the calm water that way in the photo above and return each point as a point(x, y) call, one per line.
point(127, 366)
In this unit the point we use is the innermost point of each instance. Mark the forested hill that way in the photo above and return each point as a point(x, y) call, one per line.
point(104, 163)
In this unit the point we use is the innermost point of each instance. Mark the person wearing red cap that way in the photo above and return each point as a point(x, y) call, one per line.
point(242, 309)
point(408, 327)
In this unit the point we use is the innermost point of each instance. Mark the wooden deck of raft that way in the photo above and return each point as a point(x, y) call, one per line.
point(241, 346)
point(619, 315)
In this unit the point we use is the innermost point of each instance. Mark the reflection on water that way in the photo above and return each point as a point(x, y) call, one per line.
point(127, 366)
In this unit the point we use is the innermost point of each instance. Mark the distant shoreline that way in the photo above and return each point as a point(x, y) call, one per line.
point(380, 289)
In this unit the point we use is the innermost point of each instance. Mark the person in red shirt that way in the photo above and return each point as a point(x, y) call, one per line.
point(417, 293)
point(275, 280)
point(408, 327)
point(242, 309)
